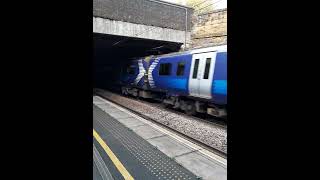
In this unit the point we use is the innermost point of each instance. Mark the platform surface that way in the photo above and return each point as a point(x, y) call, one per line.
point(145, 151)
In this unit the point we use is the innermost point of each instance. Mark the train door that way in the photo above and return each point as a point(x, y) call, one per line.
point(201, 74)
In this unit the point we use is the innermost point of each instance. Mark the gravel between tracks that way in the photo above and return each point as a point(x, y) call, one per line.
point(209, 134)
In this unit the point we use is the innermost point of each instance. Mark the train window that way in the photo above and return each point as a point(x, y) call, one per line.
point(165, 69)
point(195, 69)
point(207, 68)
point(180, 69)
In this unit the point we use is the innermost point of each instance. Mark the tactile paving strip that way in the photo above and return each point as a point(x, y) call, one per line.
point(160, 165)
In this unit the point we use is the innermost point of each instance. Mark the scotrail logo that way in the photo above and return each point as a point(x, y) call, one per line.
point(150, 70)
point(141, 72)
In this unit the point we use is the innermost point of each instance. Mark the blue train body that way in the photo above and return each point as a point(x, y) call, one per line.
point(134, 75)
point(194, 81)
point(172, 83)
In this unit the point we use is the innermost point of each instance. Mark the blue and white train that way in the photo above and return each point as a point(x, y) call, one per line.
point(193, 81)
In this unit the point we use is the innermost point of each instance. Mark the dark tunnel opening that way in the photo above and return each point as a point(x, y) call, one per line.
point(111, 53)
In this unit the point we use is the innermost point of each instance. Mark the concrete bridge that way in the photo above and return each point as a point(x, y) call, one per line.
point(146, 19)
point(124, 29)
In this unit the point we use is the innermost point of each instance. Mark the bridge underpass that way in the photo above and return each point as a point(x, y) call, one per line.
point(125, 29)
point(112, 52)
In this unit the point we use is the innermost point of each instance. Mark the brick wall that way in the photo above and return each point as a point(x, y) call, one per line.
point(209, 29)
point(143, 12)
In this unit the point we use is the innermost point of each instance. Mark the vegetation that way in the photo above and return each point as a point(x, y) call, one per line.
point(200, 6)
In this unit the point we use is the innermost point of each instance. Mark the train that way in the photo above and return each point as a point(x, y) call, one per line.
point(194, 81)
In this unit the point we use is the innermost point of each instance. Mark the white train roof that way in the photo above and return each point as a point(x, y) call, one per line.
point(222, 48)
point(209, 49)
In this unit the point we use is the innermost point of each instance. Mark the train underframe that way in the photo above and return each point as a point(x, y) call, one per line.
point(189, 105)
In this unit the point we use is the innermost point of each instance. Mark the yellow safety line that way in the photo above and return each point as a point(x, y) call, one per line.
point(114, 159)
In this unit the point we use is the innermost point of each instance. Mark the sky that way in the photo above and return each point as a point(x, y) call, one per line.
point(220, 4)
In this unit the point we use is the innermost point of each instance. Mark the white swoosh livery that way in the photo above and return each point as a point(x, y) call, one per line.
point(141, 72)
point(151, 68)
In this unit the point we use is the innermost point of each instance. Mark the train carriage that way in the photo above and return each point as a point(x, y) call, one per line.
point(194, 81)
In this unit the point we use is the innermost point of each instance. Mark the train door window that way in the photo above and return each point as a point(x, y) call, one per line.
point(207, 68)
point(195, 69)
point(131, 70)
point(180, 68)
point(165, 69)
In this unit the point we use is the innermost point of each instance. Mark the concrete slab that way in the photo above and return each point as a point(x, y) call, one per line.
point(202, 167)
point(120, 28)
point(105, 105)
point(169, 146)
point(97, 100)
point(131, 122)
point(119, 115)
point(146, 132)
point(108, 109)
point(192, 157)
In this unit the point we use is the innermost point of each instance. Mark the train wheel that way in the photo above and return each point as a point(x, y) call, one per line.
point(190, 109)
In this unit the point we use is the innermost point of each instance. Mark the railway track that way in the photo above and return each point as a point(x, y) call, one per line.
point(196, 141)
point(213, 121)
point(200, 117)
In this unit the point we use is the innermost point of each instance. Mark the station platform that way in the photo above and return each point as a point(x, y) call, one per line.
point(126, 146)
